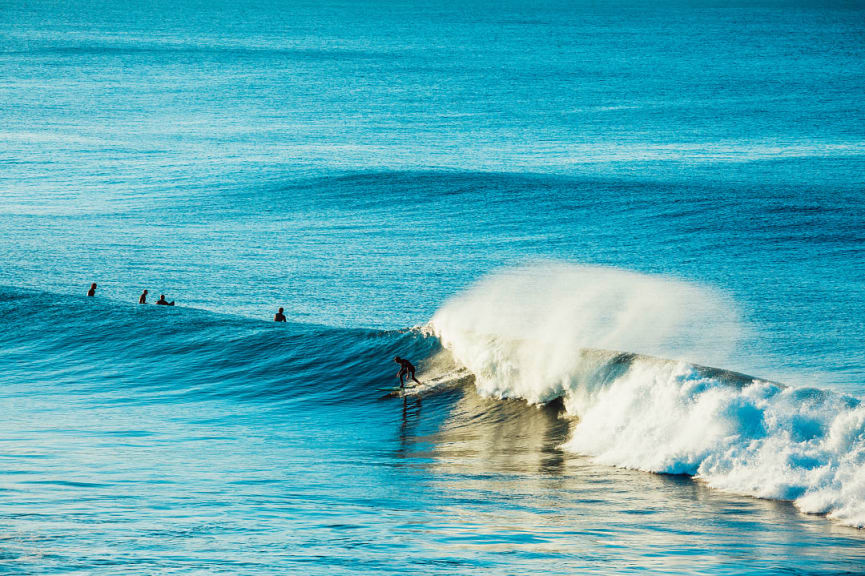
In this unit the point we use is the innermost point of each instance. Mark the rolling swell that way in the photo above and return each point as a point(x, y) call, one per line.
point(148, 353)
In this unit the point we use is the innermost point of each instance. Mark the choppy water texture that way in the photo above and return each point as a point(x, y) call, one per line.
point(625, 245)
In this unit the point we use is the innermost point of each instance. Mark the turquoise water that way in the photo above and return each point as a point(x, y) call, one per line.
point(614, 212)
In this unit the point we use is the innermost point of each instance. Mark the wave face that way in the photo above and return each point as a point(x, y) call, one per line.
point(534, 333)
point(146, 354)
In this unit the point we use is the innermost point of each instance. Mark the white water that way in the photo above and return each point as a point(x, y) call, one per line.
point(534, 333)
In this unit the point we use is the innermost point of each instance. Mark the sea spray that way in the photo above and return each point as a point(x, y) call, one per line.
point(543, 332)
point(519, 330)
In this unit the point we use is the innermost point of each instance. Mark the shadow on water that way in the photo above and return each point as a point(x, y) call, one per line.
point(497, 436)
point(411, 416)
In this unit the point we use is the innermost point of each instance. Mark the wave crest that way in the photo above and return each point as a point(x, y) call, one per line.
point(532, 333)
point(519, 330)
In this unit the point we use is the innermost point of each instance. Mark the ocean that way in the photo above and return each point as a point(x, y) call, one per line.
point(623, 242)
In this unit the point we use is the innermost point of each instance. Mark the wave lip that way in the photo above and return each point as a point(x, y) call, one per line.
point(527, 334)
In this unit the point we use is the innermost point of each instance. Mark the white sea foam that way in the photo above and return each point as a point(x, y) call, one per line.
point(542, 332)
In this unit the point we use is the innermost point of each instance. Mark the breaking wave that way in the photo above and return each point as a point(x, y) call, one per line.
point(553, 330)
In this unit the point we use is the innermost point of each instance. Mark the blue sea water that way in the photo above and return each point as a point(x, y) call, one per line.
point(623, 242)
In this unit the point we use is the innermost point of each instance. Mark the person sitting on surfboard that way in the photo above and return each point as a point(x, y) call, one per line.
point(143, 298)
point(406, 368)
point(279, 316)
point(163, 302)
point(92, 291)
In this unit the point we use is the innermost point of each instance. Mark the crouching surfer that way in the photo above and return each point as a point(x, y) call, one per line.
point(406, 369)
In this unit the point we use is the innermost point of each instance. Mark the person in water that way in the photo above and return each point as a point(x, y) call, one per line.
point(92, 291)
point(163, 302)
point(279, 316)
point(143, 298)
point(406, 368)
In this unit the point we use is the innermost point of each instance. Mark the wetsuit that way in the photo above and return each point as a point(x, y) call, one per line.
point(406, 369)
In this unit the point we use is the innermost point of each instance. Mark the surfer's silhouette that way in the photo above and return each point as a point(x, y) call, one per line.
point(279, 316)
point(143, 298)
point(406, 368)
point(92, 291)
point(163, 302)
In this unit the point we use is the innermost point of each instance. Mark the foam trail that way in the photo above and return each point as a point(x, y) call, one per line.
point(534, 333)
point(761, 439)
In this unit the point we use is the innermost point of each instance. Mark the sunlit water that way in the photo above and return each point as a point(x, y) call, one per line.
point(363, 165)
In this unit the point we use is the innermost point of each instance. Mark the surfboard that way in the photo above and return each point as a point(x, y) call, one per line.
point(395, 389)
